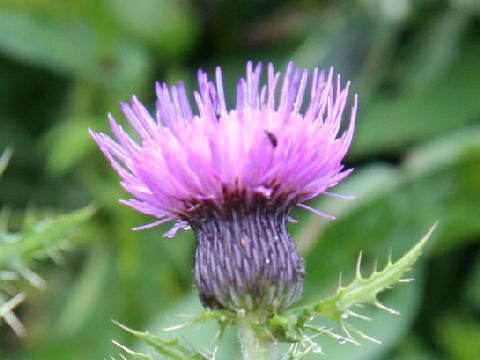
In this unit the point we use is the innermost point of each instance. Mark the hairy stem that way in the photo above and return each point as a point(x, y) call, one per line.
point(255, 343)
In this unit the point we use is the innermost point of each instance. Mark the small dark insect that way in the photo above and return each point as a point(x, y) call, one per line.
point(272, 138)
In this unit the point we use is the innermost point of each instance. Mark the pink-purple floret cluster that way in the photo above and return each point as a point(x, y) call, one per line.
point(262, 146)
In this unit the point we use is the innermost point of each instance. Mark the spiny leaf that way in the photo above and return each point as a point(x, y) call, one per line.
point(136, 355)
point(7, 314)
point(294, 325)
point(39, 239)
point(168, 347)
point(365, 290)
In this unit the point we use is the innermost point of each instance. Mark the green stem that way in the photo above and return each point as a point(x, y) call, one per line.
point(254, 342)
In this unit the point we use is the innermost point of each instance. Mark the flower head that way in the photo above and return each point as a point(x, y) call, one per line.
point(235, 175)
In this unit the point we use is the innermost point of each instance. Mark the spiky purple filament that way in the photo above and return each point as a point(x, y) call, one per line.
point(258, 147)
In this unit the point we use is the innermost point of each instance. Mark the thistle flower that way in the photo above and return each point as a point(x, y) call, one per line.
point(234, 176)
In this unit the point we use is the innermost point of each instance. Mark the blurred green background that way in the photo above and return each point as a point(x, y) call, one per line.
point(64, 64)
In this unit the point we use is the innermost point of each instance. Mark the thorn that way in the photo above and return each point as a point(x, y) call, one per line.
point(375, 264)
point(389, 257)
point(372, 339)
point(341, 339)
point(430, 231)
point(12, 320)
point(123, 327)
point(8, 275)
point(33, 278)
point(123, 347)
point(404, 281)
point(12, 303)
point(387, 309)
point(346, 330)
point(359, 316)
point(365, 336)
point(188, 315)
point(176, 327)
point(56, 257)
point(214, 352)
point(115, 322)
point(340, 280)
point(312, 345)
point(359, 264)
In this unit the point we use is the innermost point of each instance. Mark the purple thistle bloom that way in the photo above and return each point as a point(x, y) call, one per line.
point(235, 175)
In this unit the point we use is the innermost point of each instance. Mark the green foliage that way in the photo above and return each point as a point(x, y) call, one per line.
point(453, 329)
point(38, 239)
point(35, 241)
